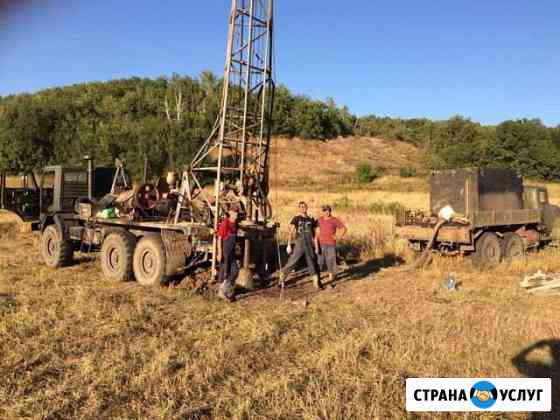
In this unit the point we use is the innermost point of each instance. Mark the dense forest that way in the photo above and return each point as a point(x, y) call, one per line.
point(167, 119)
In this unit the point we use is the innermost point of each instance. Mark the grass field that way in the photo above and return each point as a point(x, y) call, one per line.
point(75, 345)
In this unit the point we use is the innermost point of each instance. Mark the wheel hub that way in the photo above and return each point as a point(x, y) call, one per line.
point(113, 259)
point(490, 252)
point(51, 246)
point(148, 262)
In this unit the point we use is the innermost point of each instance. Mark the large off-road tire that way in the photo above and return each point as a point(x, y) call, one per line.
point(488, 253)
point(513, 247)
point(150, 261)
point(56, 252)
point(116, 256)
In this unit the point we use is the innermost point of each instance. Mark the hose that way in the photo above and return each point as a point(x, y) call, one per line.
point(426, 256)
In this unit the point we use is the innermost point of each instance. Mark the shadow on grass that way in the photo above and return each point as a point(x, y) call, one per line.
point(300, 278)
point(538, 369)
point(367, 268)
point(299, 284)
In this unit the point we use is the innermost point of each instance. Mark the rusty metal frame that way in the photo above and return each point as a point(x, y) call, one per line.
point(235, 155)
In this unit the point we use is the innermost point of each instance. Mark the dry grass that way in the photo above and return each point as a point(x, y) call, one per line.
point(310, 164)
point(75, 345)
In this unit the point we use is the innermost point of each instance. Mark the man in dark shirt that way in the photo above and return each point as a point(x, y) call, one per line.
point(302, 229)
point(225, 255)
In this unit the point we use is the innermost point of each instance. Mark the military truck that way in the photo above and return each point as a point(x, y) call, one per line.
point(134, 229)
point(36, 194)
point(486, 213)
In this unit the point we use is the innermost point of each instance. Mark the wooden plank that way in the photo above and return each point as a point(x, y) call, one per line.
point(541, 283)
point(548, 286)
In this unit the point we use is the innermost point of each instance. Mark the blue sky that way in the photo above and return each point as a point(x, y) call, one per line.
point(489, 60)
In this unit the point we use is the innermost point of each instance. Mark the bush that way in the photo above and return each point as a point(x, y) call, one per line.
point(408, 172)
point(367, 174)
point(364, 172)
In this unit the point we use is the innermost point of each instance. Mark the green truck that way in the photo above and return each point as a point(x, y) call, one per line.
point(486, 213)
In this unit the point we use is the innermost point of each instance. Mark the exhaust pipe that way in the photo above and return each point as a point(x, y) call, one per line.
point(89, 160)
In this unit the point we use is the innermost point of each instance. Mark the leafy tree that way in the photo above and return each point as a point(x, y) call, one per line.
point(283, 116)
point(168, 118)
point(455, 144)
point(26, 134)
point(528, 147)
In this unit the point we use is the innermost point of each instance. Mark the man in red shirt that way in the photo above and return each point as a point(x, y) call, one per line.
point(225, 255)
point(327, 235)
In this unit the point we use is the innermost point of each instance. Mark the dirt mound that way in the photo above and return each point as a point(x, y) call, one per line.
point(9, 223)
point(294, 161)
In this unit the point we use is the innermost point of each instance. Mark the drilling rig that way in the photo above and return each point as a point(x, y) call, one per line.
point(143, 235)
point(235, 156)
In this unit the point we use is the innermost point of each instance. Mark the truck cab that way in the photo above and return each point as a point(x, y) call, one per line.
point(52, 190)
point(62, 186)
point(535, 198)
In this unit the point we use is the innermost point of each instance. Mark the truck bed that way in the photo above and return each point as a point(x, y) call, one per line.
point(457, 233)
point(481, 219)
point(463, 233)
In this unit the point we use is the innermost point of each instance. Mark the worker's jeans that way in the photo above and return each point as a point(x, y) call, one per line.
point(228, 265)
point(303, 247)
point(328, 258)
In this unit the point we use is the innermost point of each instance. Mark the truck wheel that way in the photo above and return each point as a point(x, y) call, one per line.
point(116, 255)
point(488, 251)
point(55, 250)
point(149, 261)
point(513, 247)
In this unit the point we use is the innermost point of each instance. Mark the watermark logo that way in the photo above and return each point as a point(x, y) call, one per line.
point(467, 394)
point(484, 394)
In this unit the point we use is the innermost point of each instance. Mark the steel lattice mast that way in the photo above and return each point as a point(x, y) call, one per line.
point(235, 156)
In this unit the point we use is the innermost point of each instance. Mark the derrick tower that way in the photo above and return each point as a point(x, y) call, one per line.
point(231, 167)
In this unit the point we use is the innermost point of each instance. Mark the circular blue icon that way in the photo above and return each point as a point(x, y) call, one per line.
point(484, 394)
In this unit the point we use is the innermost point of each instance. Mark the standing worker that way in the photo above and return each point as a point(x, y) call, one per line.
point(227, 237)
point(327, 235)
point(302, 229)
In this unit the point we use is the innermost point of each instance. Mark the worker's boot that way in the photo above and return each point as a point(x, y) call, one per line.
point(245, 279)
point(317, 282)
point(226, 292)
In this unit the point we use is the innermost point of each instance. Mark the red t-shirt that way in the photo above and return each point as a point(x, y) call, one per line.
point(327, 230)
point(226, 228)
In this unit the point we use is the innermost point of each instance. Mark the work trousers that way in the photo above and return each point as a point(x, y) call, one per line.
point(303, 247)
point(228, 265)
point(328, 258)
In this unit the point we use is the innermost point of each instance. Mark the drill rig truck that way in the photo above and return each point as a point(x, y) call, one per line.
point(148, 236)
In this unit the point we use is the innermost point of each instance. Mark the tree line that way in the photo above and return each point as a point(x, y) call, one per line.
point(167, 119)
point(525, 145)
